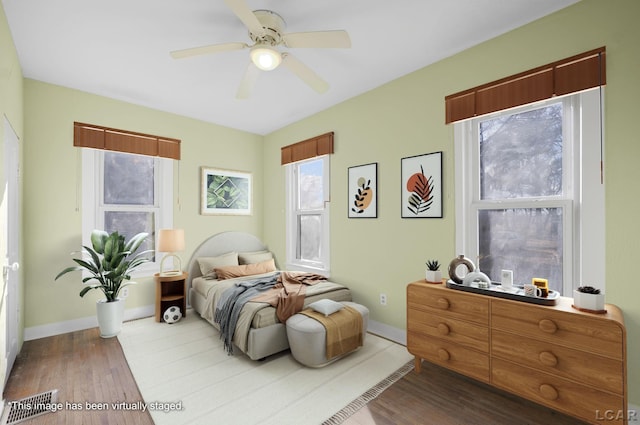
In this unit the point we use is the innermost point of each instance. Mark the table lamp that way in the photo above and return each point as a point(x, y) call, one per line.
point(171, 241)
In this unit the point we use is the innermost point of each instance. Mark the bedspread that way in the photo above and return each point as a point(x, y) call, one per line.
point(283, 290)
point(232, 302)
point(257, 314)
point(287, 295)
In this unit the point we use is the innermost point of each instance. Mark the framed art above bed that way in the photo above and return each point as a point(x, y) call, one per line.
point(225, 192)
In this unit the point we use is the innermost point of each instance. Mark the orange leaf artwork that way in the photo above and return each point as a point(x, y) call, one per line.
point(421, 192)
point(363, 191)
point(363, 196)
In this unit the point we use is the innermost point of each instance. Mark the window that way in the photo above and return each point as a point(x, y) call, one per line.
point(529, 197)
point(129, 193)
point(308, 215)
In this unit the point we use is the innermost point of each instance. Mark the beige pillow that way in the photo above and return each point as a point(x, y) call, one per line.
point(229, 272)
point(254, 257)
point(208, 264)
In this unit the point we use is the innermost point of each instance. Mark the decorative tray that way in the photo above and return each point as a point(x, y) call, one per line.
point(515, 293)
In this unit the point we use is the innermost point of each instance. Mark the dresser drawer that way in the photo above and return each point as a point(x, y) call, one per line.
point(593, 334)
point(597, 371)
point(425, 325)
point(440, 300)
point(558, 393)
point(455, 357)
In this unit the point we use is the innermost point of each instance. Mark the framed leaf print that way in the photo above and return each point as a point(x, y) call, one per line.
point(422, 186)
point(225, 192)
point(363, 191)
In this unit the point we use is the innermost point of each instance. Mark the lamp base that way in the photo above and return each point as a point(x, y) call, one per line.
point(166, 273)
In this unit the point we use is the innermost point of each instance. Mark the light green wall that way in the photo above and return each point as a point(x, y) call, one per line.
point(402, 118)
point(11, 108)
point(406, 117)
point(52, 216)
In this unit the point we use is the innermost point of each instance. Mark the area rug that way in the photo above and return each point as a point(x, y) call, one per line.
point(186, 377)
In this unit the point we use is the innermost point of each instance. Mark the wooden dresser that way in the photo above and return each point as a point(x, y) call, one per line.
point(557, 356)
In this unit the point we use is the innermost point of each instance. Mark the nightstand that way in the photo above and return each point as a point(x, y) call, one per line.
point(171, 290)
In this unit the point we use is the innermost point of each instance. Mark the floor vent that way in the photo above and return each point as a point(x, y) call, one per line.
point(30, 407)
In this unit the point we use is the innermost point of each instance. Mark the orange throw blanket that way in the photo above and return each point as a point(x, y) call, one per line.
point(344, 330)
point(287, 296)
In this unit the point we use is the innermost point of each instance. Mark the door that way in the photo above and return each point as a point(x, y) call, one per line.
point(10, 225)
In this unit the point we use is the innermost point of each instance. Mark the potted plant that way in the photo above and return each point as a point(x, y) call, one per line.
point(588, 298)
point(433, 273)
point(109, 263)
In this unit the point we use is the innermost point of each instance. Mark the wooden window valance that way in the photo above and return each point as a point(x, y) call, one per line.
point(97, 137)
point(570, 75)
point(310, 148)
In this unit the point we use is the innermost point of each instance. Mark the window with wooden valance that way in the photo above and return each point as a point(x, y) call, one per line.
point(105, 138)
point(570, 75)
point(310, 148)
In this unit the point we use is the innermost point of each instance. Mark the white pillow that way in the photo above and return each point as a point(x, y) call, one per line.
point(254, 257)
point(208, 264)
point(326, 306)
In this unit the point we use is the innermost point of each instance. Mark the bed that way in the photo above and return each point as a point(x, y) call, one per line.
point(258, 333)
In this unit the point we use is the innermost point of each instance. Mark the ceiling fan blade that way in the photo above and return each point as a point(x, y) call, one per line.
point(212, 48)
point(319, 39)
point(248, 82)
point(305, 73)
point(242, 11)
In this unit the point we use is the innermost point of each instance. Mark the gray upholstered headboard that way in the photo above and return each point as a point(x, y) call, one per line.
point(219, 244)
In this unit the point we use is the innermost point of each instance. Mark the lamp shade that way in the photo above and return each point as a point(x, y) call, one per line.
point(265, 57)
point(171, 240)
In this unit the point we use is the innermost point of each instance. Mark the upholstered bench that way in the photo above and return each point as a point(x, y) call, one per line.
point(307, 336)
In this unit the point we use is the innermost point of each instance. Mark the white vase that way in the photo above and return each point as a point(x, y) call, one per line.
point(433, 276)
point(110, 317)
point(593, 302)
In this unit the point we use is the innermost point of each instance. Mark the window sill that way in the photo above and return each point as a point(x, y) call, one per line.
point(308, 269)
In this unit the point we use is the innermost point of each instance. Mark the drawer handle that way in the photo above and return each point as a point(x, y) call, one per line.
point(548, 326)
point(443, 354)
point(442, 303)
point(547, 358)
point(443, 329)
point(549, 392)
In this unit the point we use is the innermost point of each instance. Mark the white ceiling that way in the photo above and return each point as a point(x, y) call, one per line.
point(120, 49)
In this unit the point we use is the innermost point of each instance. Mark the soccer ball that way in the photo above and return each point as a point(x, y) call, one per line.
point(172, 314)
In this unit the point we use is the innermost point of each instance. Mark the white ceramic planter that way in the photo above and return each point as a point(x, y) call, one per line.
point(110, 317)
point(433, 276)
point(594, 302)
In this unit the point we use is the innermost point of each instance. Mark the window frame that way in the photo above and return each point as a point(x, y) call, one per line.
point(292, 222)
point(583, 196)
point(93, 207)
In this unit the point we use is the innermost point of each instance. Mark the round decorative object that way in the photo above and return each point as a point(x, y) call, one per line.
point(172, 314)
point(459, 267)
point(477, 277)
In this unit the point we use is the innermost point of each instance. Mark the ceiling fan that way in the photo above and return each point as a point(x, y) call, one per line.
point(266, 30)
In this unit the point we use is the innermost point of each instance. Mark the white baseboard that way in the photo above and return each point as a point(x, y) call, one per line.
point(388, 332)
point(4, 412)
point(58, 328)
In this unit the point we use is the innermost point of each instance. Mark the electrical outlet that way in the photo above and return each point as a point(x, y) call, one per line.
point(124, 293)
point(383, 299)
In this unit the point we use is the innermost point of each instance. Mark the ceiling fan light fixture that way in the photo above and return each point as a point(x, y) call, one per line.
point(265, 57)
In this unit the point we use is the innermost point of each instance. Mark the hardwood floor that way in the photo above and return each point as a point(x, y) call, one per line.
point(86, 368)
point(440, 397)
